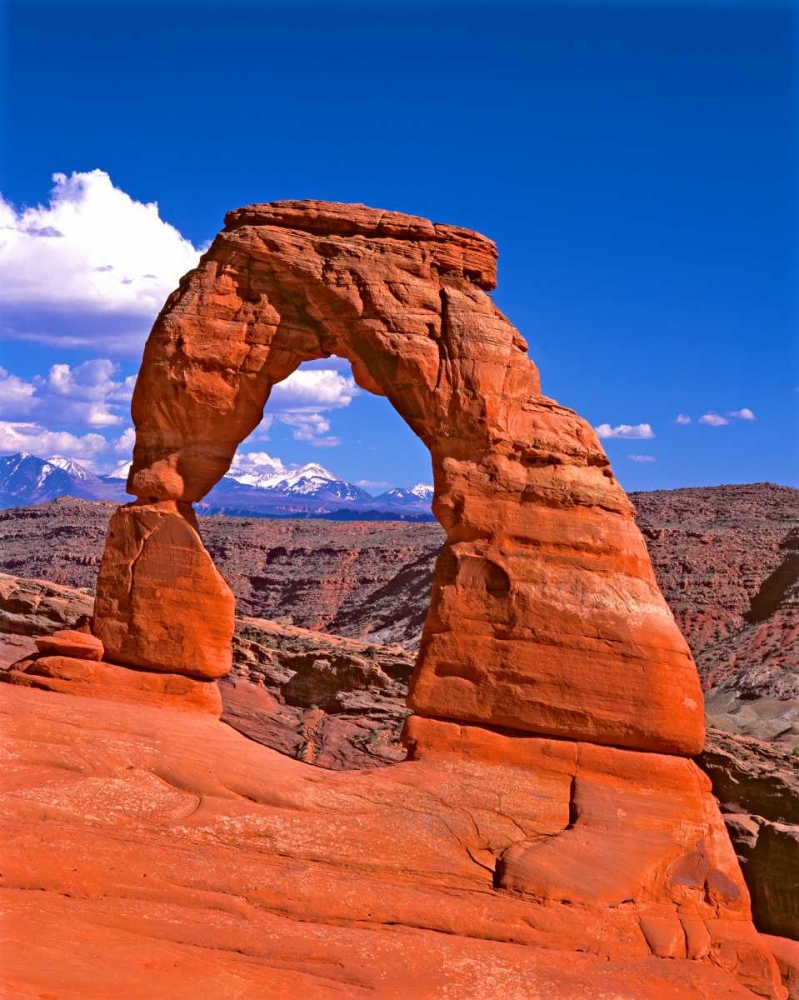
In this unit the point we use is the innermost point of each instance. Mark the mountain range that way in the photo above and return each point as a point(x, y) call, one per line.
point(309, 491)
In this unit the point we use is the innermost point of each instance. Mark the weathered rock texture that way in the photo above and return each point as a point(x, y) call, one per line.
point(545, 613)
point(716, 552)
point(161, 603)
point(111, 682)
point(196, 863)
point(71, 642)
point(513, 821)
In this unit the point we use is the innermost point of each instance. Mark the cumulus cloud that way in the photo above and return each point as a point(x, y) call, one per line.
point(713, 419)
point(642, 458)
point(300, 401)
point(682, 418)
point(312, 390)
point(38, 440)
point(310, 427)
point(92, 450)
point(90, 394)
point(91, 266)
point(257, 462)
point(125, 442)
point(15, 394)
point(96, 396)
point(627, 431)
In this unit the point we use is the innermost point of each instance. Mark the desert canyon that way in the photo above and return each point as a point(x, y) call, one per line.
point(548, 834)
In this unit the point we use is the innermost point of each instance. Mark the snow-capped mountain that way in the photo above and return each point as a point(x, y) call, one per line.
point(419, 495)
point(71, 467)
point(309, 491)
point(120, 472)
point(26, 479)
point(311, 481)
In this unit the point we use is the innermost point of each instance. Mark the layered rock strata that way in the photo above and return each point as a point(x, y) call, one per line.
point(71, 662)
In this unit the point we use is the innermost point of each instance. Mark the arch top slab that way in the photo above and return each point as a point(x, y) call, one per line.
point(545, 614)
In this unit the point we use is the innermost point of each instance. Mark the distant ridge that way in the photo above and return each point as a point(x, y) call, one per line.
point(309, 491)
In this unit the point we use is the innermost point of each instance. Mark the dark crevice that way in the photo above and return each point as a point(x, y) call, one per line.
point(574, 813)
point(775, 587)
point(442, 340)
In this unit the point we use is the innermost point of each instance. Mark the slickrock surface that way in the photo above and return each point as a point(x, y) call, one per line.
point(545, 615)
point(340, 703)
point(176, 859)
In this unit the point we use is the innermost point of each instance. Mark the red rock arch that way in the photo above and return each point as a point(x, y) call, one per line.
point(545, 614)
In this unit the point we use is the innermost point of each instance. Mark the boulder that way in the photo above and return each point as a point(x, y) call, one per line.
point(161, 603)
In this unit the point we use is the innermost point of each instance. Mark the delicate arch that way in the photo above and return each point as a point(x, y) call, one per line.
point(545, 615)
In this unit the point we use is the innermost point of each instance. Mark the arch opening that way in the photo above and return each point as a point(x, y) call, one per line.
point(545, 616)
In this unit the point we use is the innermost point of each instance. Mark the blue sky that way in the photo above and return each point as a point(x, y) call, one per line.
point(635, 162)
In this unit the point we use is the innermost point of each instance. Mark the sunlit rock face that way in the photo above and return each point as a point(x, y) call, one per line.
point(546, 835)
point(545, 615)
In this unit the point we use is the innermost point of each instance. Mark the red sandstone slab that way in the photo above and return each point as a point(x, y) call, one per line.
point(111, 682)
point(70, 642)
point(188, 854)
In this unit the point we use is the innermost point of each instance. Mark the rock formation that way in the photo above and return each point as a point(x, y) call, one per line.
point(161, 603)
point(545, 614)
point(716, 552)
point(547, 800)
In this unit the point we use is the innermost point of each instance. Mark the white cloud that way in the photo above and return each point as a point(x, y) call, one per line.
point(627, 431)
point(682, 418)
point(89, 394)
point(15, 394)
point(300, 401)
point(93, 266)
point(125, 442)
point(743, 414)
point(92, 450)
point(312, 390)
point(642, 458)
point(369, 484)
point(311, 427)
point(95, 395)
point(38, 440)
point(713, 419)
point(257, 462)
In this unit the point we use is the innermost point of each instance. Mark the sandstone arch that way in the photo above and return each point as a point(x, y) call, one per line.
point(545, 614)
